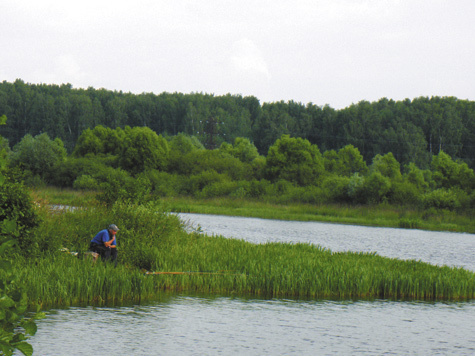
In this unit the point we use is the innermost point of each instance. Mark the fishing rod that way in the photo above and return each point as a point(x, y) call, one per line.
point(192, 272)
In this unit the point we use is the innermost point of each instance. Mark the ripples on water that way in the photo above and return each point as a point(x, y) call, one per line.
point(186, 325)
point(233, 326)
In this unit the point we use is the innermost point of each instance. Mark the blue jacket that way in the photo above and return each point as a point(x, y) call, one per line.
point(103, 236)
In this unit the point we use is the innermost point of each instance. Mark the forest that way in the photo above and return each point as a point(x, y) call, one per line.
point(412, 130)
point(138, 147)
point(132, 150)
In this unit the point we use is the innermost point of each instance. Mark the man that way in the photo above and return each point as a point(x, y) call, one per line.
point(105, 243)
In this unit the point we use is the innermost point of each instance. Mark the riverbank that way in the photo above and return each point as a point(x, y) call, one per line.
point(152, 240)
point(382, 215)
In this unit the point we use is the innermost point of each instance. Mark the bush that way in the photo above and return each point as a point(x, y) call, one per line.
point(356, 188)
point(39, 154)
point(129, 190)
point(311, 195)
point(218, 189)
point(441, 199)
point(16, 205)
point(198, 182)
point(404, 193)
point(335, 189)
point(164, 184)
point(86, 182)
point(376, 187)
point(257, 188)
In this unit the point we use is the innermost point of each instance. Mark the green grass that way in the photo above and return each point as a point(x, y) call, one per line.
point(150, 239)
point(375, 215)
point(58, 196)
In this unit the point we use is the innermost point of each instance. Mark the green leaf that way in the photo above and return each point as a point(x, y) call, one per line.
point(40, 315)
point(30, 327)
point(6, 245)
point(5, 265)
point(13, 318)
point(25, 348)
point(9, 226)
point(6, 302)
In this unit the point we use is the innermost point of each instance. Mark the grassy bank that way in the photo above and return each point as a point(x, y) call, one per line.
point(376, 215)
point(152, 240)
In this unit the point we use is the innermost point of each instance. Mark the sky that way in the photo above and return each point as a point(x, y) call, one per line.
point(325, 52)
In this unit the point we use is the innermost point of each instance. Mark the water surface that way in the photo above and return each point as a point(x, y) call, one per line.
point(217, 325)
point(439, 248)
point(185, 325)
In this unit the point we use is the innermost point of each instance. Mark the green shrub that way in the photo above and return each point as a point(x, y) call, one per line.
point(310, 195)
point(376, 187)
point(218, 189)
point(86, 182)
point(335, 189)
point(356, 188)
point(404, 194)
point(197, 182)
point(129, 190)
point(16, 205)
point(441, 199)
point(164, 184)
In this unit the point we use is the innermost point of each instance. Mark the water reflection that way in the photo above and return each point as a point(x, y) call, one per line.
point(194, 325)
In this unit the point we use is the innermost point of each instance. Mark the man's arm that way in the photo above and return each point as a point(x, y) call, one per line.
point(108, 243)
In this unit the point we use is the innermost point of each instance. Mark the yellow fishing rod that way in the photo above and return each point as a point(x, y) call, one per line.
point(191, 272)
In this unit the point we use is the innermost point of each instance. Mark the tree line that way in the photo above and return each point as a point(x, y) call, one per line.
point(135, 164)
point(412, 130)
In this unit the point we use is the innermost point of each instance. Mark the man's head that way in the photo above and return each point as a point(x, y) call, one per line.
point(113, 229)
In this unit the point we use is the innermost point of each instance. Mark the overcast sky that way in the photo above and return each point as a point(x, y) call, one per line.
point(334, 52)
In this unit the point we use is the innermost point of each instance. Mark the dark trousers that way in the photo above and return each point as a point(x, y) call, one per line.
point(106, 253)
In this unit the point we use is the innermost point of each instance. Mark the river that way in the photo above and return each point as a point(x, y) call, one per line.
point(223, 325)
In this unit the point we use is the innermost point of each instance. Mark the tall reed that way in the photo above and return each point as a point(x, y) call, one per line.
point(150, 239)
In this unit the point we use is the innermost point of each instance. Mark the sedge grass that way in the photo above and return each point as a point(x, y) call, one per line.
point(150, 239)
point(367, 215)
point(375, 215)
point(156, 241)
point(270, 270)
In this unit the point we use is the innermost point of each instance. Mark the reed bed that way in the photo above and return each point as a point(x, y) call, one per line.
point(150, 239)
point(238, 267)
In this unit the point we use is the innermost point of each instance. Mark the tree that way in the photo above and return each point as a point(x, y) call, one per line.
point(376, 187)
point(100, 140)
point(295, 160)
point(242, 149)
point(143, 149)
point(387, 165)
point(416, 177)
point(40, 155)
point(447, 173)
point(347, 161)
point(183, 144)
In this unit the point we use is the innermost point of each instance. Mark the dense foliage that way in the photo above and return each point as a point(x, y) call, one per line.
point(413, 130)
point(137, 165)
point(17, 219)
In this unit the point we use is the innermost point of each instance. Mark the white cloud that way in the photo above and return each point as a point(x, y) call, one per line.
point(247, 57)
